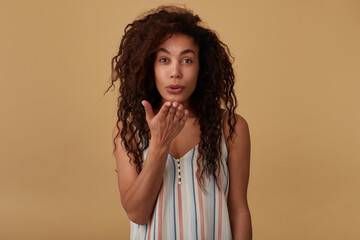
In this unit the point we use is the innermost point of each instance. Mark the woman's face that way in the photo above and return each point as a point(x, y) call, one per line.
point(176, 68)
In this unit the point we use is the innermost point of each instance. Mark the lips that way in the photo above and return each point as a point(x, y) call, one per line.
point(174, 89)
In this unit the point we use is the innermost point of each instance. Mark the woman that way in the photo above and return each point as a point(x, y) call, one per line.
point(182, 161)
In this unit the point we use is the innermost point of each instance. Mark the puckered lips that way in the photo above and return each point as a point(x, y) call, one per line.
point(174, 89)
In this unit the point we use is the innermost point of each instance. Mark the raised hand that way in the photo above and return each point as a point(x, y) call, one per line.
point(167, 123)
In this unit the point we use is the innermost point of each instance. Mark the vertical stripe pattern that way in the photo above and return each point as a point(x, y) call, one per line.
point(185, 211)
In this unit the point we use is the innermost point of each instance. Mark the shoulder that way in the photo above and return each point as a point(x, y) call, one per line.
point(238, 163)
point(241, 127)
point(116, 137)
point(117, 131)
point(119, 125)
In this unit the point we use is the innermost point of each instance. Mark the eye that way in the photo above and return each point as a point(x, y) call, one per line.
point(187, 60)
point(163, 60)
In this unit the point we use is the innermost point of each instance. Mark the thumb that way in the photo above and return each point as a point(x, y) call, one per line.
point(148, 110)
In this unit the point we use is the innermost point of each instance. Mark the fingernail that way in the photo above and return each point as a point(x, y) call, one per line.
point(175, 104)
point(168, 104)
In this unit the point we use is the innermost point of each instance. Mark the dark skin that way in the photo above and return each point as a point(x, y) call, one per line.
point(144, 187)
point(174, 130)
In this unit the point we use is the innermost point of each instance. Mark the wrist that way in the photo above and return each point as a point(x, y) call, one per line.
point(159, 148)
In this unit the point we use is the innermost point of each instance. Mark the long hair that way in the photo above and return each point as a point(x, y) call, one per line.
point(133, 66)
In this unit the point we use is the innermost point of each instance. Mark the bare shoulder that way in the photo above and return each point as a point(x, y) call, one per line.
point(119, 151)
point(117, 131)
point(116, 138)
point(124, 162)
point(238, 164)
point(241, 129)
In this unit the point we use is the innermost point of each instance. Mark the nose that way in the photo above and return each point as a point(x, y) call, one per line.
point(175, 71)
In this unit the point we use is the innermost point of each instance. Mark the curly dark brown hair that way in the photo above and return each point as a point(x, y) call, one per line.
point(133, 66)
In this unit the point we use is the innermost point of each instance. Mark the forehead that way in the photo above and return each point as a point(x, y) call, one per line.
point(179, 42)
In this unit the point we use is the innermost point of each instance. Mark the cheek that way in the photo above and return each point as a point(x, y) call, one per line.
point(194, 76)
point(158, 75)
point(160, 70)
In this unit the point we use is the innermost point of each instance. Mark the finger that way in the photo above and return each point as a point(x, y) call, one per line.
point(164, 110)
point(179, 112)
point(148, 110)
point(184, 118)
point(172, 109)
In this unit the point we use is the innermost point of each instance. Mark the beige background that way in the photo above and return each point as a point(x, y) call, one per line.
point(298, 71)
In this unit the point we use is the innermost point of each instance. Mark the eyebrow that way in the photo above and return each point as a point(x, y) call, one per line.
point(182, 53)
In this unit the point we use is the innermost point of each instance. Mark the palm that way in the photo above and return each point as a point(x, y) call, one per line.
point(167, 123)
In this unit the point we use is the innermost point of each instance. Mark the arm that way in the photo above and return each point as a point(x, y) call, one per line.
point(139, 192)
point(239, 164)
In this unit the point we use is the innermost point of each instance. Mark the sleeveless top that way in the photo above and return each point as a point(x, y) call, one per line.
point(182, 210)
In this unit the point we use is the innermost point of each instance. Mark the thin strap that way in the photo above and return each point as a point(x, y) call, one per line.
point(131, 124)
point(221, 124)
point(223, 114)
point(137, 133)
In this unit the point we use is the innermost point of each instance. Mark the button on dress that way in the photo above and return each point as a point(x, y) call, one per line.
point(182, 210)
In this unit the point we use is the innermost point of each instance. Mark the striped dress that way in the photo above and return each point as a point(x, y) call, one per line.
point(182, 210)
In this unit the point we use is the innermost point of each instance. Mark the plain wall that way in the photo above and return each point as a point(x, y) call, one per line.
point(298, 69)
